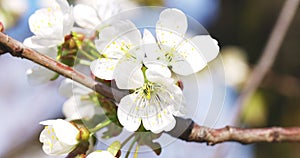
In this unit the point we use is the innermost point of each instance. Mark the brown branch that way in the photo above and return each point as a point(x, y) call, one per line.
point(17, 49)
point(201, 134)
point(269, 54)
point(185, 129)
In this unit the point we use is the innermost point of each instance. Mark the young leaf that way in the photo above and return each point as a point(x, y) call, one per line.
point(114, 148)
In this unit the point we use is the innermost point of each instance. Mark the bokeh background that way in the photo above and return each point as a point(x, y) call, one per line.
point(242, 28)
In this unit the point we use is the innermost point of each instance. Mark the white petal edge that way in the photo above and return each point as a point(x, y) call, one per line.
point(69, 88)
point(100, 154)
point(39, 75)
point(66, 132)
point(148, 38)
point(187, 59)
point(171, 27)
point(157, 70)
point(47, 23)
point(207, 46)
point(131, 122)
point(51, 145)
point(74, 108)
point(104, 68)
point(128, 74)
point(81, 12)
point(163, 121)
point(31, 43)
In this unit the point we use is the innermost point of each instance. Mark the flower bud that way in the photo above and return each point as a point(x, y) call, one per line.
point(1, 27)
point(59, 137)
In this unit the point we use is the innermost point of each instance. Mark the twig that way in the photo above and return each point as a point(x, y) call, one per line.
point(185, 129)
point(268, 56)
point(17, 49)
point(201, 134)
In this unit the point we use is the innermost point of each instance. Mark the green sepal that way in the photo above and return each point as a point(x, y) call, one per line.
point(114, 148)
point(112, 131)
point(54, 77)
point(147, 140)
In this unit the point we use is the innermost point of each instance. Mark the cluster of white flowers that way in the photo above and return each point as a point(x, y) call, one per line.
point(50, 26)
point(145, 65)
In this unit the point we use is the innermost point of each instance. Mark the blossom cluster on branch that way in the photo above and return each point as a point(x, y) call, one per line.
point(143, 72)
point(115, 52)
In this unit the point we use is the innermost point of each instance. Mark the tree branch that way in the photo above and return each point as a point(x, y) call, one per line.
point(185, 129)
point(201, 134)
point(17, 49)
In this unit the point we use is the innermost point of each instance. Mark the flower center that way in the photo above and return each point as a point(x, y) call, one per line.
point(170, 54)
point(148, 89)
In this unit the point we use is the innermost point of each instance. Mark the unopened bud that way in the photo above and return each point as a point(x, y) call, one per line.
point(84, 134)
point(72, 44)
point(1, 27)
point(180, 84)
point(68, 37)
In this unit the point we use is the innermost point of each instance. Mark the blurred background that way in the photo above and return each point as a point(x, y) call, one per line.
point(241, 28)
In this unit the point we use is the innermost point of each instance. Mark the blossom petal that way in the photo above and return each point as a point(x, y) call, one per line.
point(63, 5)
point(33, 43)
point(162, 121)
point(157, 70)
point(51, 145)
point(120, 34)
point(68, 17)
point(46, 23)
point(107, 8)
point(151, 49)
point(76, 108)
point(81, 12)
point(48, 122)
point(66, 132)
point(100, 154)
point(39, 75)
point(174, 99)
point(207, 46)
point(171, 27)
point(42, 42)
point(69, 88)
point(148, 38)
point(172, 95)
point(128, 74)
point(187, 59)
point(127, 113)
point(104, 68)
point(109, 50)
point(153, 54)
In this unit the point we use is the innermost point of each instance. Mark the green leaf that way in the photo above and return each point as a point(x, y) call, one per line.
point(113, 131)
point(114, 148)
point(147, 139)
point(156, 147)
point(54, 77)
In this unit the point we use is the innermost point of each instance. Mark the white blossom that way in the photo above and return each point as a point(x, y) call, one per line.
point(154, 102)
point(183, 56)
point(90, 16)
point(114, 42)
point(49, 26)
point(59, 137)
point(100, 154)
point(156, 97)
point(39, 75)
point(76, 106)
